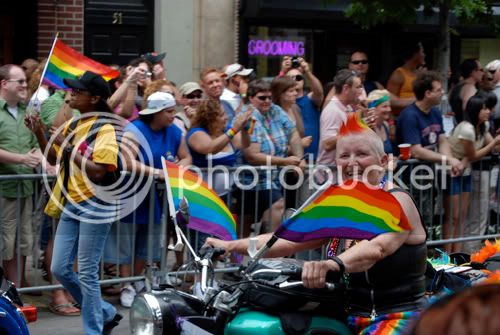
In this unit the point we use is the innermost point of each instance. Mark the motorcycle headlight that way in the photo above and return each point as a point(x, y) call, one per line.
point(146, 316)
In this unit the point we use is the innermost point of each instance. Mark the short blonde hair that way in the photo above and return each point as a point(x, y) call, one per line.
point(377, 94)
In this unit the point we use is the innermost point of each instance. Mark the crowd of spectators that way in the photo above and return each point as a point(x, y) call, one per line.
point(229, 118)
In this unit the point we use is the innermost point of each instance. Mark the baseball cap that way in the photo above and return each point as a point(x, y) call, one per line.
point(92, 82)
point(158, 101)
point(153, 57)
point(236, 69)
point(189, 87)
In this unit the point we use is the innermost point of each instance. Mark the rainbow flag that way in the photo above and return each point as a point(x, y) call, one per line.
point(66, 62)
point(208, 213)
point(352, 210)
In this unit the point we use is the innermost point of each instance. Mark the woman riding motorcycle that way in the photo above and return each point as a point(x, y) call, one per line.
point(385, 275)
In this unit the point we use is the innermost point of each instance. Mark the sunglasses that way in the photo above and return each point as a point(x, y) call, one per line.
point(19, 81)
point(298, 77)
point(264, 97)
point(194, 96)
point(492, 72)
point(357, 62)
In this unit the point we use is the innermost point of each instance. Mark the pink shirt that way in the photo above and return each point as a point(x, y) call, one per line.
point(332, 117)
point(135, 112)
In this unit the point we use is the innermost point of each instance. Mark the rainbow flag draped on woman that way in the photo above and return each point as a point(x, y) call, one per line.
point(351, 210)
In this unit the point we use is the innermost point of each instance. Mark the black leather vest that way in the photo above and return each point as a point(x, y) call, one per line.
point(394, 284)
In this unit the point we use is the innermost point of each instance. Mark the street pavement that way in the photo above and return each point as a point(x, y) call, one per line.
point(52, 324)
point(49, 323)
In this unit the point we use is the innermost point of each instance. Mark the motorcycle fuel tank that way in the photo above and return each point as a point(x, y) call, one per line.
point(250, 322)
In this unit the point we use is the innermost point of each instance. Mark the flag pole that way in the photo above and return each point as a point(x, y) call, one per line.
point(171, 209)
point(44, 70)
point(260, 253)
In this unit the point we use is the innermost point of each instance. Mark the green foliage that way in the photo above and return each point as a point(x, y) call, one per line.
point(369, 13)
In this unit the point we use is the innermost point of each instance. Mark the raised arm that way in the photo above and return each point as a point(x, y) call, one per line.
point(280, 248)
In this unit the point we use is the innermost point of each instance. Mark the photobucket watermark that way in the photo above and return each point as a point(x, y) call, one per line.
point(412, 175)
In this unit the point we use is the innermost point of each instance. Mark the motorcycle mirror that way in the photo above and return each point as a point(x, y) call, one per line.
point(182, 214)
point(289, 212)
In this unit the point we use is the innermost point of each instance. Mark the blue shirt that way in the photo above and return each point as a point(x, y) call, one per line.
point(272, 131)
point(152, 146)
point(310, 117)
point(416, 127)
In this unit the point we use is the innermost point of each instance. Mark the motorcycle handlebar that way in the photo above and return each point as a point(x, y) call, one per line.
point(331, 276)
point(208, 252)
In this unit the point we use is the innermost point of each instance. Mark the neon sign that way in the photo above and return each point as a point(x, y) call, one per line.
point(275, 48)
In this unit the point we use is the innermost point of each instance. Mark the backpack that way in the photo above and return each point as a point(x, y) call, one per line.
point(110, 177)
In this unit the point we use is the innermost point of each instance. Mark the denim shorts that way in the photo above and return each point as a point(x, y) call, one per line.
point(457, 185)
point(121, 243)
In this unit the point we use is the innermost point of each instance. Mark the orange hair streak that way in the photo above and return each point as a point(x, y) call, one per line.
point(354, 125)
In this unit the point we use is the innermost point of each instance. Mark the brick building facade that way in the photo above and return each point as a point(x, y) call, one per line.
point(63, 16)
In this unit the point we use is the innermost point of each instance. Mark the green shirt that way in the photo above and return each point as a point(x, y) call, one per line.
point(15, 137)
point(51, 106)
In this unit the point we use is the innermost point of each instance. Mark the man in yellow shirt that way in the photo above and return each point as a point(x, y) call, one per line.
point(86, 218)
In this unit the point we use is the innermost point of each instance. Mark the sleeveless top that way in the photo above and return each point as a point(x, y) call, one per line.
point(393, 284)
point(387, 142)
point(219, 181)
point(456, 102)
point(369, 86)
point(221, 158)
point(406, 90)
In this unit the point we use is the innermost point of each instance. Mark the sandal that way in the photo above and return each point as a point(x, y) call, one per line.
point(59, 309)
point(110, 270)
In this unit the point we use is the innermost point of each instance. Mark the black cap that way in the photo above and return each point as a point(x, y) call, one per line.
point(153, 57)
point(92, 82)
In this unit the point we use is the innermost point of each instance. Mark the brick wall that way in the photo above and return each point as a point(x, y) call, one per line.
point(63, 16)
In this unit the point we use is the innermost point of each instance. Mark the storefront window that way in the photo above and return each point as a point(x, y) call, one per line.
point(266, 47)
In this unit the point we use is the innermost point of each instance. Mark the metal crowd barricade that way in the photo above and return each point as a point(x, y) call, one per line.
point(429, 201)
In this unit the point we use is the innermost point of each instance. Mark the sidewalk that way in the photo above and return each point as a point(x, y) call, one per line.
point(49, 323)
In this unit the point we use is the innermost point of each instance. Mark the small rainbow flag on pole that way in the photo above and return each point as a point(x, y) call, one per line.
point(351, 210)
point(65, 62)
point(208, 213)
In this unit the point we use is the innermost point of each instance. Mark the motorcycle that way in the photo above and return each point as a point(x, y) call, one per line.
point(267, 297)
point(14, 316)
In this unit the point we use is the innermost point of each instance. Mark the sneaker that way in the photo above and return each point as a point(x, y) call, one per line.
point(127, 296)
point(108, 326)
point(139, 286)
